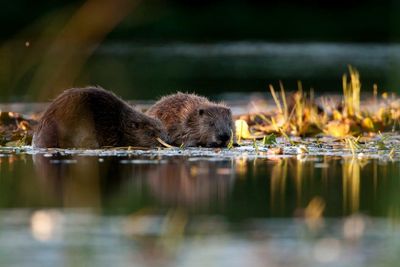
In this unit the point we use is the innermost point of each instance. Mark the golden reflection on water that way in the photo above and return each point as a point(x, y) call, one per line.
point(278, 185)
point(241, 164)
point(314, 212)
point(351, 184)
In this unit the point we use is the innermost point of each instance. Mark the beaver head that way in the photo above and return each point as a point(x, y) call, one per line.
point(211, 126)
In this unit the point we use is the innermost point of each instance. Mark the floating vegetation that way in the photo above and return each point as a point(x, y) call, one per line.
point(164, 143)
point(15, 129)
point(301, 114)
point(269, 139)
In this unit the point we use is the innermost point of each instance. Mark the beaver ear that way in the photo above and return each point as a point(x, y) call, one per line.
point(201, 111)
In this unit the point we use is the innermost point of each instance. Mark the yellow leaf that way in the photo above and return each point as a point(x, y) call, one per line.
point(337, 129)
point(368, 124)
point(242, 129)
point(337, 115)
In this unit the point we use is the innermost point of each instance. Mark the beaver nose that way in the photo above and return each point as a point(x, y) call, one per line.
point(224, 137)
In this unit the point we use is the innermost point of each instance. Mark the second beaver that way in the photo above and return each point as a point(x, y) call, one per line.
point(92, 118)
point(192, 120)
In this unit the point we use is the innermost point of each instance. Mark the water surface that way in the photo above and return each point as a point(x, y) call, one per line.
point(199, 207)
point(137, 70)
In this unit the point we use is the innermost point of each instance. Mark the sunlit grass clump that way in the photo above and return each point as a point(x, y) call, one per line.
point(300, 114)
point(15, 129)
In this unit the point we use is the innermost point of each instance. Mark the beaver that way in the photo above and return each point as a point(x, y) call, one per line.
point(92, 117)
point(193, 120)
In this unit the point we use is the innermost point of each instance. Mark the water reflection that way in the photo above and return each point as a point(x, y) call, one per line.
point(351, 185)
point(92, 181)
point(238, 188)
point(179, 211)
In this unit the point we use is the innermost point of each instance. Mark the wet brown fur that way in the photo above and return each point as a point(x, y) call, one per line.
point(193, 120)
point(92, 118)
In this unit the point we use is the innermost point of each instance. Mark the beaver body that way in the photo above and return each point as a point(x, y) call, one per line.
point(92, 118)
point(192, 120)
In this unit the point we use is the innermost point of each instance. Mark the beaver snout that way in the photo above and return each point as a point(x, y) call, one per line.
point(221, 140)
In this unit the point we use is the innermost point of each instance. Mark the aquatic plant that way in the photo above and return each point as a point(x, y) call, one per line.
point(301, 114)
point(231, 143)
point(269, 139)
point(15, 129)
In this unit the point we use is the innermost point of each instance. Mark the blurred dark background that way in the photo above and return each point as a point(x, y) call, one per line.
point(196, 20)
point(144, 49)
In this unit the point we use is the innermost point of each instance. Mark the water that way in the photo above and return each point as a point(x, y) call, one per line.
point(200, 207)
point(243, 66)
point(148, 71)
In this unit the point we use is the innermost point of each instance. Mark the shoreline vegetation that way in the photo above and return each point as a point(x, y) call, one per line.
point(301, 114)
point(297, 115)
